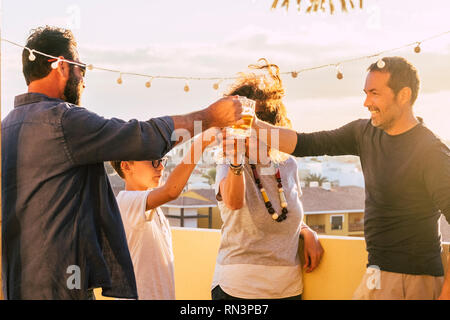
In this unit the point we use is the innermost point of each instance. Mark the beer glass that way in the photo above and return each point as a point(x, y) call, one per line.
point(244, 129)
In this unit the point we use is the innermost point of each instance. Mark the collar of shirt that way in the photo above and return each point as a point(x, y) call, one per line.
point(32, 97)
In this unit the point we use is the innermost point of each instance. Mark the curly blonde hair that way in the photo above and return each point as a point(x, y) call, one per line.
point(268, 91)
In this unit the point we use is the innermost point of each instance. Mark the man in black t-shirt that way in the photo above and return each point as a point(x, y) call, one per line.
point(407, 181)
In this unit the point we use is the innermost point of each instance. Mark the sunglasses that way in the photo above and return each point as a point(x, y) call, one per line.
point(80, 65)
point(156, 163)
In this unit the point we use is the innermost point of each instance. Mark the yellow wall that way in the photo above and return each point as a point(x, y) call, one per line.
point(195, 252)
point(356, 217)
point(216, 219)
point(337, 277)
point(340, 271)
point(315, 219)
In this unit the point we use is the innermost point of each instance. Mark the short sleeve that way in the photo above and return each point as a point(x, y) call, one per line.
point(221, 173)
point(132, 205)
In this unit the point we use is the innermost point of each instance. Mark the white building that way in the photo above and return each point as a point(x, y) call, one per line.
point(344, 171)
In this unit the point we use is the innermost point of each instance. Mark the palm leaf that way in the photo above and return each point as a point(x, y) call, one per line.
point(274, 4)
point(331, 7)
point(315, 5)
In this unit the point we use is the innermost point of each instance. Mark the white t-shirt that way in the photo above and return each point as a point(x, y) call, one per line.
point(150, 243)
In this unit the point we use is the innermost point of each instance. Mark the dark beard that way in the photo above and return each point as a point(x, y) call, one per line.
point(72, 92)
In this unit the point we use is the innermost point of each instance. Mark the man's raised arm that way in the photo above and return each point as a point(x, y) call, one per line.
point(341, 141)
point(222, 113)
point(286, 138)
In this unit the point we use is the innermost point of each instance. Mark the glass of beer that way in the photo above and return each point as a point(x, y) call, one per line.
point(244, 129)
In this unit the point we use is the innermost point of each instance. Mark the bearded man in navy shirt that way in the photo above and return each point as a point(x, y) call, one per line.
point(62, 234)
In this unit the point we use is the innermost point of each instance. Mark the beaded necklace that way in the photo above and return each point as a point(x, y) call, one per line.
point(283, 202)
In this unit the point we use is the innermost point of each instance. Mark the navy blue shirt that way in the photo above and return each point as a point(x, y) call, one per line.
point(60, 219)
point(407, 186)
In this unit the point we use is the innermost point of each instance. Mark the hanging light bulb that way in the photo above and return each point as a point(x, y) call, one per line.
point(186, 87)
point(148, 84)
point(217, 84)
point(31, 56)
point(90, 67)
point(56, 64)
point(381, 64)
point(417, 48)
point(119, 80)
point(339, 74)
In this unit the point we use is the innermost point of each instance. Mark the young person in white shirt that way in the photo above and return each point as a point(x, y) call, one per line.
point(147, 229)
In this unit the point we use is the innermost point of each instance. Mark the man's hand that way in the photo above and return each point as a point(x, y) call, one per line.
point(312, 249)
point(286, 138)
point(224, 112)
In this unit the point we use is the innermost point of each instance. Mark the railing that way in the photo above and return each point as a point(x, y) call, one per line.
point(358, 226)
point(319, 228)
point(338, 275)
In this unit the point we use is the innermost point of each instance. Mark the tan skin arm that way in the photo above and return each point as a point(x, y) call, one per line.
point(180, 175)
point(232, 187)
point(313, 250)
point(222, 113)
point(287, 137)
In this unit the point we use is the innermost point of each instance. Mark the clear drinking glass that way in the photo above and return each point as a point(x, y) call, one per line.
point(244, 129)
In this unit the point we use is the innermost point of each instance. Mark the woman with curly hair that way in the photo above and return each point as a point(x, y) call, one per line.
point(260, 207)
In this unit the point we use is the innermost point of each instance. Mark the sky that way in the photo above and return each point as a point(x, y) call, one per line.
point(212, 38)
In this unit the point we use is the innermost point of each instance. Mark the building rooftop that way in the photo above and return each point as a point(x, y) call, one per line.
point(318, 199)
point(192, 198)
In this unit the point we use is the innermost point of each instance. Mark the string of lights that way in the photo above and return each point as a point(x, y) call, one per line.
point(218, 80)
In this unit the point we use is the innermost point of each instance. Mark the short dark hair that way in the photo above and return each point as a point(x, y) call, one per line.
point(50, 40)
point(116, 166)
point(402, 74)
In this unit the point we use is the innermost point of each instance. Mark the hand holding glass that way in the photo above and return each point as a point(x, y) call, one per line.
point(243, 128)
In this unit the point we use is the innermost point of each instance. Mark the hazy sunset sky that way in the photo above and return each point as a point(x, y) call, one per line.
point(221, 38)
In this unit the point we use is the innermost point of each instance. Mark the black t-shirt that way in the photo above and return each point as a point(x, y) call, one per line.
point(407, 186)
